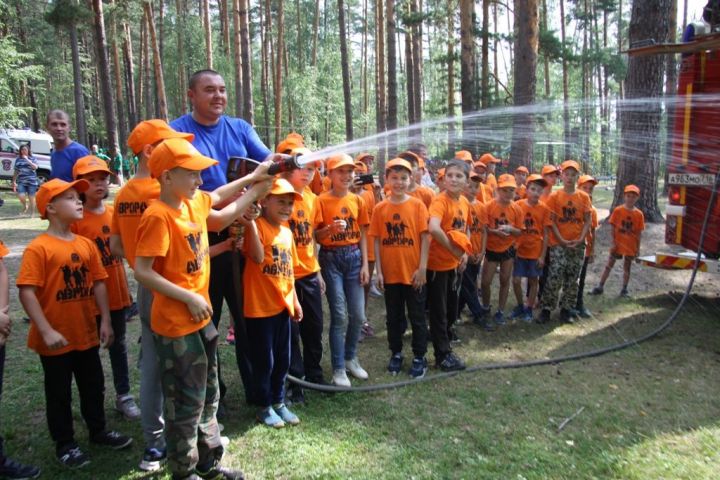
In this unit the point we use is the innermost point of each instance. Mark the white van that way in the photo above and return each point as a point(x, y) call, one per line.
point(9, 152)
point(40, 143)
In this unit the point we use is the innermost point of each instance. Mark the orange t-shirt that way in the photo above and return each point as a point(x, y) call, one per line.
point(491, 181)
point(316, 184)
point(63, 272)
point(369, 197)
point(300, 224)
point(453, 215)
point(269, 285)
point(96, 227)
point(627, 224)
point(399, 227)
point(424, 194)
point(478, 220)
point(590, 239)
point(484, 193)
point(177, 238)
point(534, 220)
point(520, 192)
point(497, 215)
point(130, 203)
point(350, 208)
point(3, 249)
point(326, 183)
point(568, 211)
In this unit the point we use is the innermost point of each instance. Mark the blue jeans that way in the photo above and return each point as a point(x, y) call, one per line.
point(118, 352)
point(269, 354)
point(340, 268)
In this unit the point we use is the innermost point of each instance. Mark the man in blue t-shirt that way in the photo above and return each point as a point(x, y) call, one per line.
point(221, 137)
point(65, 151)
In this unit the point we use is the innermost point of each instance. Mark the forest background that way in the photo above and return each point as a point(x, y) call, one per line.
point(337, 71)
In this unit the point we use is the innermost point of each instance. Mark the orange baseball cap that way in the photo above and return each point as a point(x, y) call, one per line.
point(586, 179)
point(475, 177)
point(360, 156)
point(441, 173)
point(398, 162)
point(538, 179)
point(569, 164)
point(480, 165)
point(461, 240)
point(549, 170)
point(488, 158)
point(339, 160)
point(464, 155)
point(89, 164)
point(293, 140)
point(522, 169)
point(53, 188)
point(360, 167)
point(148, 132)
point(281, 186)
point(506, 180)
point(177, 152)
point(632, 189)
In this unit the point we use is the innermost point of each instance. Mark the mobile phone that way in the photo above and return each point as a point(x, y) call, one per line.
point(239, 167)
point(365, 179)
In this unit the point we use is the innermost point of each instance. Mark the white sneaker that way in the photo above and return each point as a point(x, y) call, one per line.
point(341, 379)
point(125, 404)
point(375, 291)
point(224, 441)
point(353, 366)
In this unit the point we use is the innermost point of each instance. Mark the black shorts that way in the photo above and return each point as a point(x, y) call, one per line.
point(498, 257)
point(617, 256)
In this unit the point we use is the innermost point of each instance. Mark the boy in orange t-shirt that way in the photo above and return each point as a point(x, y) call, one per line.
point(95, 225)
point(62, 285)
point(504, 223)
point(521, 174)
point(587, 183)
point(399, 231)
point(172, 259)
point(270, 301)
point(478, 239)
point(532, 247)
point(571, 216)
point(417, 190)
point(628, 224)
point(449, 214)
point(484, 192)
point(340, 222)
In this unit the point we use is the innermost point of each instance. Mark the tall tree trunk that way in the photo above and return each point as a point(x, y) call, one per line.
point(157, 64)
point(525, 75)
point(316, 28)
point(451, 74)
point(208, 33)
point(468, 91)
point(380, 86)
point(546, 60)
point(142, 64)
point(392, 112)
point(224, 15)
point(416, 9)
point(148, 77)
point(132, 101)
point(265, 76)
point(605, 120)
point(180, 8)
point(80, 125)
point(409, 60)
point(365, 63)
point(671, 80)
point(565, 84)
point(344, 64)
point(300, 47)
point(246, 60)
point(620, 46)
point(104, 73)
point(280, 52)
point(161, 28)
point(117, 71)
point(640, 127)
point(237, 63)
point(485, 56)
point(495, 53)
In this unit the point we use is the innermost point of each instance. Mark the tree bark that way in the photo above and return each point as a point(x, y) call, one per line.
point(80, 125)
point(416, 9)
point(157, 64)
point(410, 68)
point(344, 65)
point(104, 73)
point(280, 52)
point(365, 63)
point(129, 75)
point(392, 114)
point(485, 57)
point(246, 59)
point(237, 63)
point(451, 74)
point(182, 75)
point(142, 63)
point(117, 71)
point(565, 84)
point(640, 125)
point(208, 33)
point(525, 75)
point(468, 68)
point(316, 28)
point(225, 26)
point(380, 87)
point(265, 76)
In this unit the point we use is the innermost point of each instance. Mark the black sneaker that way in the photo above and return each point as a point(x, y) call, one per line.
point(218, 472)
point(453, 336)
point(481, 321)
point(624, 293)
point(152, 459)
point(451, 363)
point(112, 439)
point(544, 316)
point(597, 290)
point(72, 457)
point(565, 316)
point(13, 470)
point(395, 363)
point(418, 368)
point(294, 395)
point(583, 312)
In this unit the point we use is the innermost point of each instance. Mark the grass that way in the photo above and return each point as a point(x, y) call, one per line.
point(650, 411)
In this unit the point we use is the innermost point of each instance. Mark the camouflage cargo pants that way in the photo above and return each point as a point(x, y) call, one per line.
point(565, 265)
point(188, 370)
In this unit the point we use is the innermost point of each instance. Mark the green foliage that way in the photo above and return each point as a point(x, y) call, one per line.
point(15, 73)
point(67, 12)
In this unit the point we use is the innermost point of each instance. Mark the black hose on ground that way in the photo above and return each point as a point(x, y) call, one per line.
point(547, 361)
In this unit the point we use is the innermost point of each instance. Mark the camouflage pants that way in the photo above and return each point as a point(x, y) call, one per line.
point(188, 369)
point(565, 265)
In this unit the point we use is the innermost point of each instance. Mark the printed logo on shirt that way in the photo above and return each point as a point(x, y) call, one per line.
point(300, 229)
point(281, 265)
point(529, 224)
point(569, 214)
point(103, 245)
point(76, 281)
point(501, 220)
point(475, 226)
point(458, 222)
point(350, 232)
point(626, 225)
point(396, 233)
point(130, 209)
point(199, 250)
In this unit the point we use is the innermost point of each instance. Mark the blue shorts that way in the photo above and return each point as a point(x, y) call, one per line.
point(26, 189)
point(524, 267)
